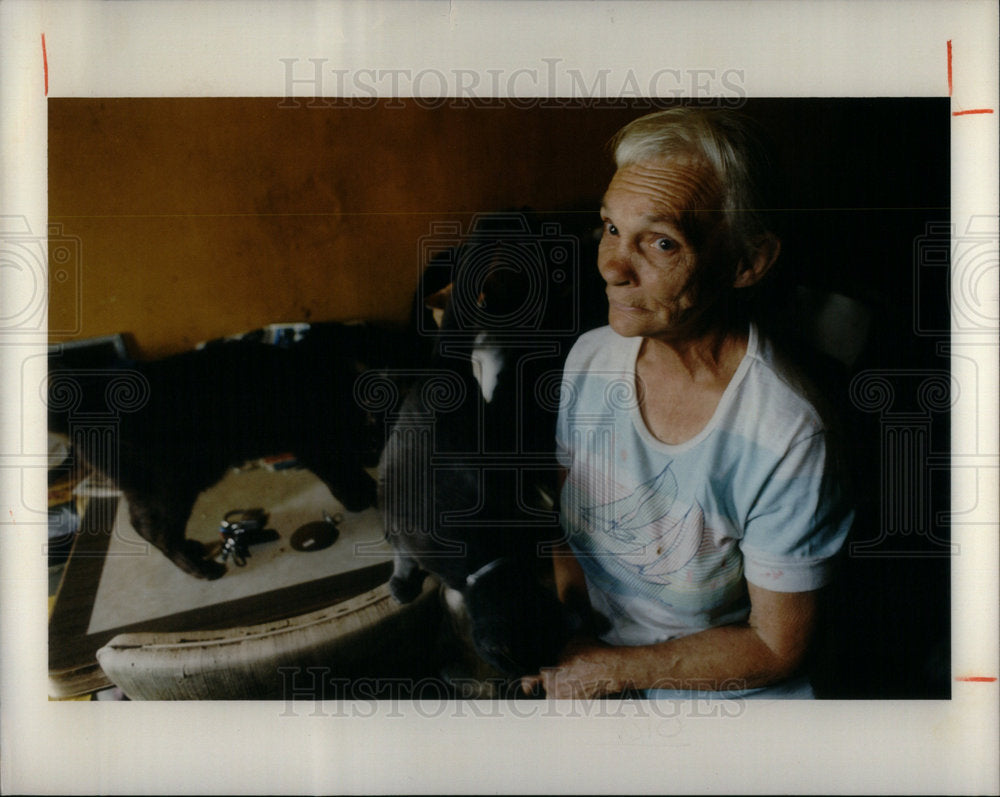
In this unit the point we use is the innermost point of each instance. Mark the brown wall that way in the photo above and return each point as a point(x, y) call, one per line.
point(198, 218)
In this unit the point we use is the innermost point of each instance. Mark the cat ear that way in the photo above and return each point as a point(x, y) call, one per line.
point(437, 302)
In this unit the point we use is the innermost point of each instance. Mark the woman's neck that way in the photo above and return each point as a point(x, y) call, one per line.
point(712, 357)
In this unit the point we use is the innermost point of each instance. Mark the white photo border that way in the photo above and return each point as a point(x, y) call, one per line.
point(229, 48)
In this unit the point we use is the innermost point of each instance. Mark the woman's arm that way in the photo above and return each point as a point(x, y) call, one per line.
point(769, 647)
point(571, 584)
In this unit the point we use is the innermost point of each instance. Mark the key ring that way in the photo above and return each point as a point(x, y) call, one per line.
point(236, 526)
point(234, 548)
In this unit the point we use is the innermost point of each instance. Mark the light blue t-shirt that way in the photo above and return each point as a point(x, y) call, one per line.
point(668, 535)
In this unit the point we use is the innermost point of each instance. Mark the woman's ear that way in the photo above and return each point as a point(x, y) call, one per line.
point(767, 249)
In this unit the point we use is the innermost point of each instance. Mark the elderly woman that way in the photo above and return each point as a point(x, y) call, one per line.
point(701, 504)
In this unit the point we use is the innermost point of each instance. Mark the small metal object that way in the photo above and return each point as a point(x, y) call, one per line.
point(246, 519)
point(236, 528)
point(235, 547)
point(318, 534)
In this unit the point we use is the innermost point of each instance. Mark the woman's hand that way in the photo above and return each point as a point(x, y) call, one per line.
point(768, 648)
point(587, 668)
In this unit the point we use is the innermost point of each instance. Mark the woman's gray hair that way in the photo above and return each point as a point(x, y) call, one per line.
point(731, 144)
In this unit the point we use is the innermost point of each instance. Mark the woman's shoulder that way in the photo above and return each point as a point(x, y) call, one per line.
point(600, 340)
point(600, 349)
point(786, 389)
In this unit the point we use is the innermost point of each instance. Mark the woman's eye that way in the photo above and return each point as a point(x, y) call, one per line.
point(610, 229)
point(664, 244)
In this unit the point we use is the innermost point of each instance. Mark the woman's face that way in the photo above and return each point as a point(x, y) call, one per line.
point(663, 253)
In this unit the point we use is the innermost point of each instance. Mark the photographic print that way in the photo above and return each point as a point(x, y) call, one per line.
point(341, 356)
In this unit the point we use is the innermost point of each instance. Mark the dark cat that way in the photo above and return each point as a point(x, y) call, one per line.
point(178, 423)
point(468, 474)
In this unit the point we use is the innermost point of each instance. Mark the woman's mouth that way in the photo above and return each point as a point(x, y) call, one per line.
point(626, 308)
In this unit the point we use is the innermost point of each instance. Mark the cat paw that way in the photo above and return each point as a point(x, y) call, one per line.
point(211, 570)
point(195, 549)
point(405, 590)
point(359, 499)
point(191, 559)
point(358, 493)
point(352, 504)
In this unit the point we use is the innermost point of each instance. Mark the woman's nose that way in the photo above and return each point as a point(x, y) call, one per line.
point(614, 263)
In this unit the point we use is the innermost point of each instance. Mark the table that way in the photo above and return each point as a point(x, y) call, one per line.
point(115, 583)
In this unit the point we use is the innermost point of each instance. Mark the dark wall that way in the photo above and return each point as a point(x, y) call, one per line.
point(204, 217)
point(868, 217)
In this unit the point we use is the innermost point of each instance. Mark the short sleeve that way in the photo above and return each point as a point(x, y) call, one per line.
point(563, 455)
point(799, 521)
point(570, 387)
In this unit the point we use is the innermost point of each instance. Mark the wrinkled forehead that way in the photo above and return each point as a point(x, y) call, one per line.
point(667, 186)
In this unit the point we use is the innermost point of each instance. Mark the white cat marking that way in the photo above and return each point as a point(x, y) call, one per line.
point(486, 364)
